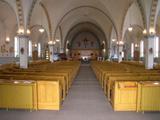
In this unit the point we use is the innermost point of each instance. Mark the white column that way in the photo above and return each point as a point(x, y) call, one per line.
point(51, 48)
point(120, 53)
point(149, 55)
point(23, 48)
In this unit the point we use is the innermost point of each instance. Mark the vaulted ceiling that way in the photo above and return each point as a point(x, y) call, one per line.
point(58, 17)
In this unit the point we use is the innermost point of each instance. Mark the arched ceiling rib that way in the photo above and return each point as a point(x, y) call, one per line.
point(86, 14)
point(7, 19)
point(114, 9)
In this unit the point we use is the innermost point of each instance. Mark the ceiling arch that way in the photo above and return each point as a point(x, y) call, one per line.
point(8, 21)
point(83, 7)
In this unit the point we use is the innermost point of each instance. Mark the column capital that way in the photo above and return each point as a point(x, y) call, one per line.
point(150, 36)
point(22, 36)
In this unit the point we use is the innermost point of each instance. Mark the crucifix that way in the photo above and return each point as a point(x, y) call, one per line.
point(85, 42)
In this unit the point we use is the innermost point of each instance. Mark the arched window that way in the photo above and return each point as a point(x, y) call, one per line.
point(156, 46)
point(30, 48)
point(16, 47)
point(132, 50)
point(141, 48)
point(39, 50)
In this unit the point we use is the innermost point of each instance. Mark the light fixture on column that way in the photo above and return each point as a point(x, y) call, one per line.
point(28, 31)
point(113, 40)
point(67, 49)
point(136, 45)
point(152, 31)
point(50, 42)
point(20, 30)
point(35, 45)
point(144, 31)
point(7, 39)
point(120, 42)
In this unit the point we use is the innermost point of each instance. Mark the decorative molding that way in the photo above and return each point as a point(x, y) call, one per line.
point(31, 11)
point(121, 32)
point(142, 13)
point(48, 19)
point(20, 13)
point(153, 12)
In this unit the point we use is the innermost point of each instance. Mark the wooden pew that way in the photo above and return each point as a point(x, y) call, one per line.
point(45, 94)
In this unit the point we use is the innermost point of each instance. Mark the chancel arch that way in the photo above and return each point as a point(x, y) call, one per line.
point(86, 39)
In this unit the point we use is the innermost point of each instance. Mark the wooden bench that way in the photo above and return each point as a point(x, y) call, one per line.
point(43, 94)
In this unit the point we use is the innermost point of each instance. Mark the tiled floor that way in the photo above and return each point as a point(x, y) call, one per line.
point(85, 101)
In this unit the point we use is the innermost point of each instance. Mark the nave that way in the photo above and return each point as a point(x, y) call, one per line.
point(85, 101)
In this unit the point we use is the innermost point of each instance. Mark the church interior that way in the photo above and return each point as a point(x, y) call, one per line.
point(80, 59)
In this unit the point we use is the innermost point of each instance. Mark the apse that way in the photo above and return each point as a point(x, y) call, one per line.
point(85, 40)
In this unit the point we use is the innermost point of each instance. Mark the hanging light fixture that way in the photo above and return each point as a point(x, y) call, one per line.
point(50, 42)
point(54, 43)
point(41, 29)
point(130, 27)
point(57, 40)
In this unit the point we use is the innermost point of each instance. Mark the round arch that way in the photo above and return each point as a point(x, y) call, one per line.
point(79, 24)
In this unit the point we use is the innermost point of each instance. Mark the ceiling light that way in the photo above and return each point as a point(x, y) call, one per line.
point(54, 43)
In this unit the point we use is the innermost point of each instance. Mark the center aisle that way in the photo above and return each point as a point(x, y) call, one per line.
point(85, 101)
